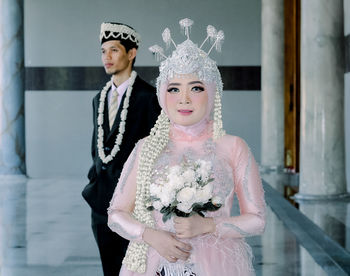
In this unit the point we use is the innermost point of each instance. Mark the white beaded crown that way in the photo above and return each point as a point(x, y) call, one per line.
point(188, 58)
point(117, 31)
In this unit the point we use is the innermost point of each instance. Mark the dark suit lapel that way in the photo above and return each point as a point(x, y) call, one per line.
point(105, 125)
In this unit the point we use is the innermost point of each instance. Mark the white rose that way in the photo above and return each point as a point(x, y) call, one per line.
point(175, 182)
point(189, 176)
point(204, 194)
point(204, 174)
point(155, 190)
point(186, 195)
point(167, 196)
point(184, 207)
point(216, 200)
point(209, 188)
point(174, 170)
point(157, 205)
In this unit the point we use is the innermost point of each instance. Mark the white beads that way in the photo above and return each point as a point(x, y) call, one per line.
point(136, 254)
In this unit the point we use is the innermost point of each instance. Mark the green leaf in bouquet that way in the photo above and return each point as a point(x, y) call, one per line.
point(166, 216)
point(181, 214)
point(167, 212)
point(201, 183)
point(174, 204)
point(149, 203)
point(210, 180)
point(211, 207)
point(199, 209)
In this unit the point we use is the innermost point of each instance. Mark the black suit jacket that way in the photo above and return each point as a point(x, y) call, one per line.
point(142, 114)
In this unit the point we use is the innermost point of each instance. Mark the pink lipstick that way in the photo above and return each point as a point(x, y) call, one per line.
point(185, 112)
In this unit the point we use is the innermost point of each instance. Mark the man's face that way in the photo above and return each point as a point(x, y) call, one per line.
point(114, 57)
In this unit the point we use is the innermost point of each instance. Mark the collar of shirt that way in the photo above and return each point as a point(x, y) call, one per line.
point(121, 89)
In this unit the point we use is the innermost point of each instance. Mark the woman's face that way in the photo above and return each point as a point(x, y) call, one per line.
point(186, 100)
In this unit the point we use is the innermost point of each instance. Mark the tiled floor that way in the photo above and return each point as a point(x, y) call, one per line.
point(332, 216)
point(45, 230)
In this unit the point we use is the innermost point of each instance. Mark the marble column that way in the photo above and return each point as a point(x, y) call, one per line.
point(347, 88)
point(322, 158)
point(12, 152)
point(272, 85)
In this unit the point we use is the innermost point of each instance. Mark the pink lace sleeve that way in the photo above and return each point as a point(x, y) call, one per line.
point(250, 194)
point(120, 219)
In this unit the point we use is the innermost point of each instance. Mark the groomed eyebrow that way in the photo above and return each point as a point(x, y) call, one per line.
point(192, 82)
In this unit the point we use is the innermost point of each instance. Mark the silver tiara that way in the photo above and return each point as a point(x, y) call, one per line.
point(188, 58)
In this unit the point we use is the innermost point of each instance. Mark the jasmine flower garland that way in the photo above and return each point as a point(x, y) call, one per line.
point(100, 133)
point(136, 254)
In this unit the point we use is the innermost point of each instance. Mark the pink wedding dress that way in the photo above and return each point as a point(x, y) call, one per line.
point(224, 252)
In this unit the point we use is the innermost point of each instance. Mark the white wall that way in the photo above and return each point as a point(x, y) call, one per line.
point(58, 133)
point(65, 33)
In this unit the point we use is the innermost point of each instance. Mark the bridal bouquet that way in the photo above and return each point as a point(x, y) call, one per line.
point(184, 189)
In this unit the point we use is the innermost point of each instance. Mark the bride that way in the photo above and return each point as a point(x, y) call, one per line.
point(189, 128)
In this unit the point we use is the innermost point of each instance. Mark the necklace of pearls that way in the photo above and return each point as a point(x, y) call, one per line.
point(100, 133)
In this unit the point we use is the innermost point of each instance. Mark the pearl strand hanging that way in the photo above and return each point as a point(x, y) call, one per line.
point(136, 255)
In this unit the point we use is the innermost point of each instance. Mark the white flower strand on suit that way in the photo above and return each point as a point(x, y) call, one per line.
point(118, 141)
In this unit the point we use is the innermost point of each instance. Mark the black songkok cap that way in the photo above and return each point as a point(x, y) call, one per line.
point(119, 31)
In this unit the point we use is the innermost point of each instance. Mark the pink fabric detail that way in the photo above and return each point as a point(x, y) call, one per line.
point(221, 253)
point(122, 221)
point(182, 134)
point(193, 130)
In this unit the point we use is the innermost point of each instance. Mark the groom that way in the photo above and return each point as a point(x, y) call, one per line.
point(115, 133)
